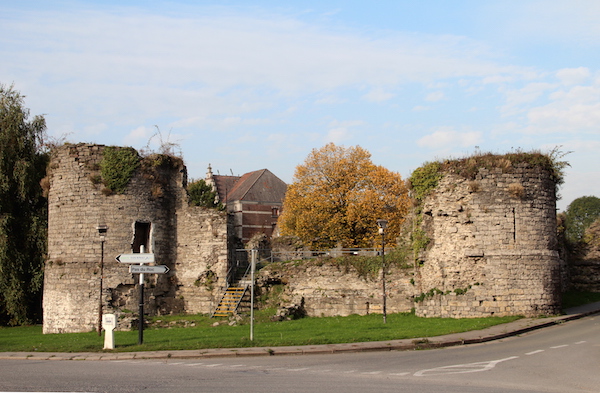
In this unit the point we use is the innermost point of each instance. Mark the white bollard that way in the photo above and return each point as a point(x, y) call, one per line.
point(109, 323)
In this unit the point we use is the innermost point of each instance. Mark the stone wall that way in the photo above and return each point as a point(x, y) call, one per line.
point(584, 264)
point(493, 248)
point(324, 289)
point(189, 240)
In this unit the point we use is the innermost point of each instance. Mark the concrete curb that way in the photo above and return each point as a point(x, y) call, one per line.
point(497, 332)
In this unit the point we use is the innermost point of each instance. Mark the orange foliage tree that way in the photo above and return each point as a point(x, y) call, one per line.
point(338, 194)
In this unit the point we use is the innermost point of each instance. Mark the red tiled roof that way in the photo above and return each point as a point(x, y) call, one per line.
point(224, 185)
point(257, 186)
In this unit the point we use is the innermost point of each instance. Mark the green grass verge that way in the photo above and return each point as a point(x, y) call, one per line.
point(177, 332)
point(305, 331)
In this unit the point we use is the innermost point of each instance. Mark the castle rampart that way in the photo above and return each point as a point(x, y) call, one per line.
point(493, 246)
point(153, 212)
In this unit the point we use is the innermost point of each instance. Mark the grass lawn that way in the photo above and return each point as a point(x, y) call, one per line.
point(167, 333)
point(303, 331)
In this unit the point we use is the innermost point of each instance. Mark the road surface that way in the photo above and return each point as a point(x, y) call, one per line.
point(562, 358)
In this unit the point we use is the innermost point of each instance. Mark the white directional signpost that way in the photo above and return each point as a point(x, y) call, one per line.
point(135, 258)
point(160, 269)
point(137, 261)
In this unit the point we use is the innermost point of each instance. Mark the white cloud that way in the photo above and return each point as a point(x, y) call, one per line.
point(347, 123)
point(421, 108)
point(94, 129)
point(337, 135)
point(139, 136)
point(516, 99)
point(378, 95)
point(573, 76)
point(435, 96)
point(573, 22)
point(573, 111)
point(446, 138)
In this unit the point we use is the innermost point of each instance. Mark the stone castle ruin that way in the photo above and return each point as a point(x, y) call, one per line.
point(152, 212)
point(484, 240)
point(487, 247)
point(493, 247)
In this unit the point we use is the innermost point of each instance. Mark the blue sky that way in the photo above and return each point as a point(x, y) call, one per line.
point(246, 85)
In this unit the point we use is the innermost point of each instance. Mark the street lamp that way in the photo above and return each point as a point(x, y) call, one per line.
point(382, 224)
point(102, 229)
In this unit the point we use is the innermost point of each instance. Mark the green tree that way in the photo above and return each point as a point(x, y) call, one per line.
point(580, 214)
point(202, 194)
point(338, 194)
point(23, 210)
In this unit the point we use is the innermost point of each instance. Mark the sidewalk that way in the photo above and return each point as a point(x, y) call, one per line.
point(497, 332)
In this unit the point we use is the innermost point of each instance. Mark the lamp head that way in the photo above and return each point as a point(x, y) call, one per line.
point(102, 229)
point(382, 224)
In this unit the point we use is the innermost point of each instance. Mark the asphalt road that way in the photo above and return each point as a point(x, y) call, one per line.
point(562, 358)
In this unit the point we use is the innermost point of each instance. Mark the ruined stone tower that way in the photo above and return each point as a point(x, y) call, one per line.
point(492, 246)
point(153, 212)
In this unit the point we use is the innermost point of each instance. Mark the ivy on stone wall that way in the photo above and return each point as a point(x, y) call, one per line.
point(424, 179)
point(118, 166)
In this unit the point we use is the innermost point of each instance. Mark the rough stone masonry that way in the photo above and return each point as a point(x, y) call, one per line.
point(153, 211)
point(492, 249)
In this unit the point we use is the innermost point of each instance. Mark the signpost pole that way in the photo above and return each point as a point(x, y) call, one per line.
point(252, 269)
point(141, 306)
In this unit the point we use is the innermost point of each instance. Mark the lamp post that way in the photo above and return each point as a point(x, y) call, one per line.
point(102, 229)
point(382, 224)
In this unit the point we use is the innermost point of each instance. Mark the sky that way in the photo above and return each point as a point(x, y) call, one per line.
point(247, 85)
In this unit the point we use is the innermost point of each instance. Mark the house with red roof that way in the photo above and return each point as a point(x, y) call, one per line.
point(254, 199)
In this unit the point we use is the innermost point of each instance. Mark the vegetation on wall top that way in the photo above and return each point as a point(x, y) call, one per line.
point(424, 179)
point(118, 166)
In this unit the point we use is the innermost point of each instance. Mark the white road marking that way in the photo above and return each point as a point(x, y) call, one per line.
point(463, 368)
point(579, 342)
point(399, 374)
point(534, 352)
point(214, 365)
point(559, 346)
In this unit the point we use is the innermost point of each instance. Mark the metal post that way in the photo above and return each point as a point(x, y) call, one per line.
point(141, 306)
point(101, 285)
point(382, 224)
point(252, 270)
point(102, 229)
point(383, 275)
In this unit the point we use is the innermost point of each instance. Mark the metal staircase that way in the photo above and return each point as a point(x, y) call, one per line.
point(234, 294)
point(230, 301)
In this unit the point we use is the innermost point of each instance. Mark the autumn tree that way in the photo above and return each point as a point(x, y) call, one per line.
point(337, 195)
point(23, 210)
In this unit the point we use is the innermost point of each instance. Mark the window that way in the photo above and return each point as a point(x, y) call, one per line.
point(274, 212)
point(141, 236)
